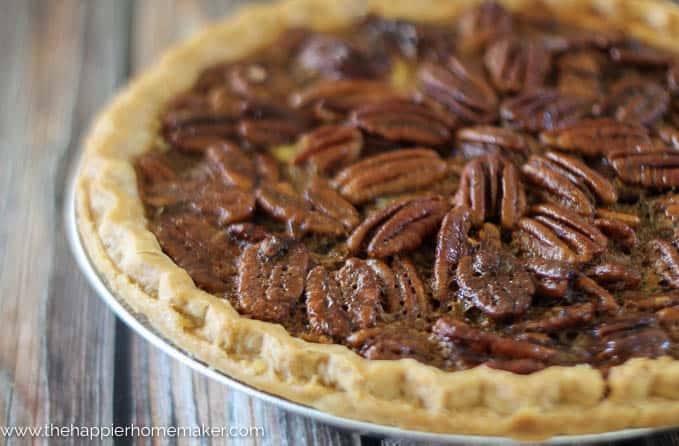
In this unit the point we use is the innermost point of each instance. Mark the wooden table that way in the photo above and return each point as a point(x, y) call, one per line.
point(64, 359)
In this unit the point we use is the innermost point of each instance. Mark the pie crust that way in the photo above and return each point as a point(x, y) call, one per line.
point(405, 393)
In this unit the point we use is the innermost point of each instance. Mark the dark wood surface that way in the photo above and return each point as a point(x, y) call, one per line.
point(64, 358)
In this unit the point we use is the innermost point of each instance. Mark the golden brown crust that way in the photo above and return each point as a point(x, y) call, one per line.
point(403, 393)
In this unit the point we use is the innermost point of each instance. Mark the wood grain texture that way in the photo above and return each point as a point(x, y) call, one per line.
point(63, 357)
point(56, 349)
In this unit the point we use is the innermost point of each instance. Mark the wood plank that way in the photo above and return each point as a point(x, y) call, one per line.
point(56, 361)
point(661, 439)
point(15, 41)
point(87, 380)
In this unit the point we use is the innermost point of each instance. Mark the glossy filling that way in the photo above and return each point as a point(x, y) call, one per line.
point(495, 190)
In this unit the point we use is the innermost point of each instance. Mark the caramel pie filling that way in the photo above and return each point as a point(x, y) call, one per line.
point(498, 189)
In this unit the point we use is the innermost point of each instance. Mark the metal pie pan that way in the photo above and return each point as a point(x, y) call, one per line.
point(139, 324)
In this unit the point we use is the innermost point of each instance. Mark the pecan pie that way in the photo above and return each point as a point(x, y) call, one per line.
point(450, 216)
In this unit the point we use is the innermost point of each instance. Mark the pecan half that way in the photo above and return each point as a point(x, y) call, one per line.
point(241, 169)
point(495, 282)
point(392, 342)
point(556, 233)
point(618, 226)
point(580, 74)
point(550, 269)
point(451, 245)
point(233, 165)
point(336, 58)
point(615, 276)
point(400, 226)
point(542, 109)
point(325, 200)
point(632, 220)
point(402, 291)
point(329, 147)
point(621, 339)
point(667, 261)
point(641, 301)
point(281, 202)
point(491, 187)
point(570, 180)
point(403, 120)
point(391, 297)
point(640, 55)
point(460, 89)
point(226, 204)
point(485, 139)
point(390, 173)
point(457, 331)
point(484, 24)
point(559, 318)
point(213, 199)
point(412, 293)
point(267, 132)
point(258, 81)
point(516, 65)
point(200, 248)
point(340, 302)
point(632, 99)
point(552, 277)
point(600, 136)
point(152, 167)
point(324, 304)
point(167, 193)
point(271, 278)
point(332, 100)
point(648, 169)
point(195, 129)
point(605, 300)
point(408, 39)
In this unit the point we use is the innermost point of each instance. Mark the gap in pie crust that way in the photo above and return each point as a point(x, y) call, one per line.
point(491, 194)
